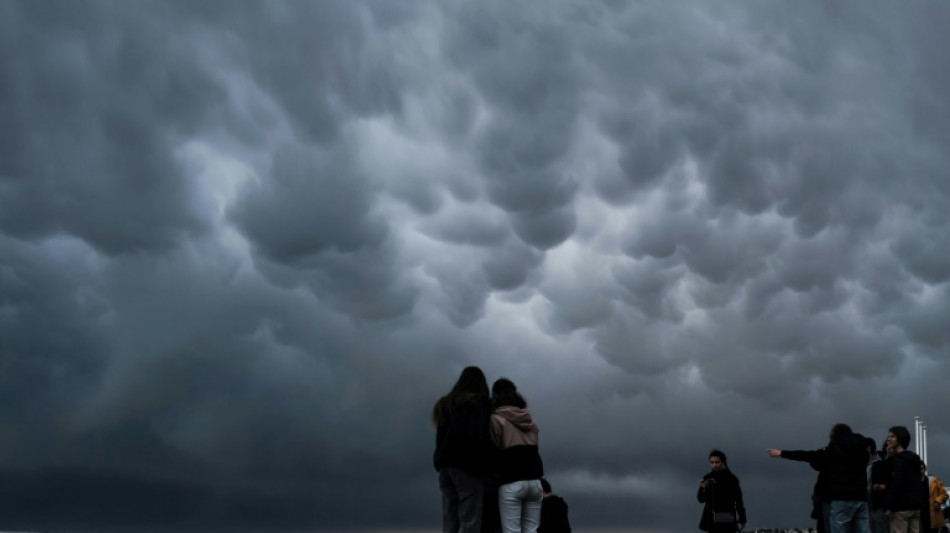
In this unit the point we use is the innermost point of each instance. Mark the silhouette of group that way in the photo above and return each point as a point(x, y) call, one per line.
point(491, 474)
point(487, 445)
point(861, 490)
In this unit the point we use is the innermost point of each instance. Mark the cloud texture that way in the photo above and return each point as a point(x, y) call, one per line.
point(245, 246)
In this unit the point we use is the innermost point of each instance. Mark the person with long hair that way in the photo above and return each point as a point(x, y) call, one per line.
point(519, 468)
point(463, 450)
point(719, 491)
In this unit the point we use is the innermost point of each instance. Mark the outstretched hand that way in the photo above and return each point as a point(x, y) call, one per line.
point(773, 452)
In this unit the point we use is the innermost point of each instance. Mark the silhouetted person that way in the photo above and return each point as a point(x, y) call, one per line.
point(842, 467)
point(719, 491)
point(936, 496)
point(463, 451)
point(519, 467)
point(902, 494)
point(553, 512)
point(878, 479)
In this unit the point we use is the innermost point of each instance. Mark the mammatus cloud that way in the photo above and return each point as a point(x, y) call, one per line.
point(243, 249)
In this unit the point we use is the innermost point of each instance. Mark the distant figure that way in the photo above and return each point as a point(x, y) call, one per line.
point(519, 468)
point(877, 477)
point(936, 497)
point(842, 467)
point(553, 512)
point(463, 451)
point(719, 490)
point(901, 495)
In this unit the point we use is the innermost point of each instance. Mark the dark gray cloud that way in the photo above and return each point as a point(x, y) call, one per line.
point(243, 249)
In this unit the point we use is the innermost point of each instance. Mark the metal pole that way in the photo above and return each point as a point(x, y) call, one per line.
point(917, 435)
point(923, 441)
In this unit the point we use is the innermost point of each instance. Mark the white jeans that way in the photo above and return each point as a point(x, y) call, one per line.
point(519, 504)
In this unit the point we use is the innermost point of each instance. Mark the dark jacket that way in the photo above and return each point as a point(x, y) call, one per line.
point(842, 467)
point(464, 441)
point(902, 493)
point(722, 495)
point(554, 516)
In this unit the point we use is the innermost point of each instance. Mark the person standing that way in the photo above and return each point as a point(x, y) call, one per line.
point(879, 474)
point(936, 497)
point(721, 494)
point(553, 511)
point(463, 450)
point(842, 467)
point(901, 496)
point(519, 468)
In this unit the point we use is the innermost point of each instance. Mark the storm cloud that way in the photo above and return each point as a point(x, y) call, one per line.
point(245, 246)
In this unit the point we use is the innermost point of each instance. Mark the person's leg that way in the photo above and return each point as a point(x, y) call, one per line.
point(861, 520)
point(509, 506)
point(913, 522)
point(879, 523)
point(826, 515)
point(450, 502)
point(898, 521)
point(531, 510)
point(842, 516)
point(471, 491)
point(491, 522)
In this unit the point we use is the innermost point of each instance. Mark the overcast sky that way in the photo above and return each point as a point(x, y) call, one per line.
point(245, 246)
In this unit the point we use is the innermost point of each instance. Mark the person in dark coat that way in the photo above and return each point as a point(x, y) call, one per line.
point(553, 512)
point(719, 491)
point(879, 475)
point(902, 495)
point(463, 451)
point(842, 478)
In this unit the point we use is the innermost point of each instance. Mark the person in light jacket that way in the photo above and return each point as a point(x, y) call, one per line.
point(518, 467)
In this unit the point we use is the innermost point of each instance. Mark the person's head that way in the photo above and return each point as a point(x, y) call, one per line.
point(871, 445)
point(470, 386)
point(899, 437)
point(840, 430)
point(504, 392)
point(890, 450)
point(471, 381)
point(545, 487)
point(717, 461)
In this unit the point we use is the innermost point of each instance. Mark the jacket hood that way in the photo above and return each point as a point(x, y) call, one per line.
point(517, 416)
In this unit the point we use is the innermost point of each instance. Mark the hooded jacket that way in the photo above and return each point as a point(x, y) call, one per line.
point(516, 436)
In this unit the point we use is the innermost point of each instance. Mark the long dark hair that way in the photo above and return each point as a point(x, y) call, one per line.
point(504, 392)
point(470, 388)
